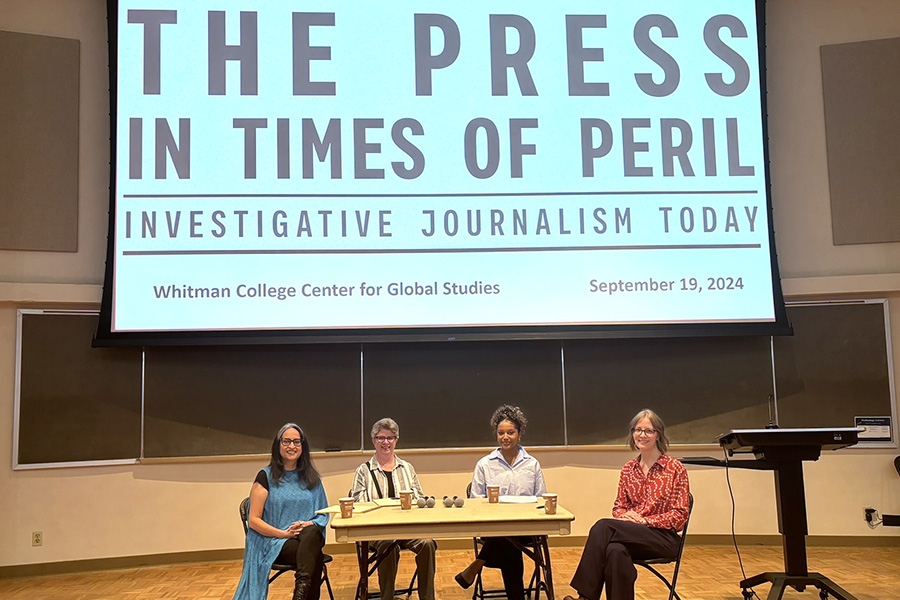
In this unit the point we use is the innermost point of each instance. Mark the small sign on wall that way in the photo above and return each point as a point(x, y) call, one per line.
point(876, 430)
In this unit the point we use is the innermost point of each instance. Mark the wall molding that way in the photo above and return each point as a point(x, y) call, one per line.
point(151, 560)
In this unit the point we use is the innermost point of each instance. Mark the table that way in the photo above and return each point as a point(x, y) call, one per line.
point(477, 518)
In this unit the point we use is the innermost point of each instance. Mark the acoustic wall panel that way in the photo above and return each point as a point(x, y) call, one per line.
point(39, 140)
point(862, 126)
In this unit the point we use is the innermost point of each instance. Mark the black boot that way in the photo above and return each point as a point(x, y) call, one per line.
point(302, 586)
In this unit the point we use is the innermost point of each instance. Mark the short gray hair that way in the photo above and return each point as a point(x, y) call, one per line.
point(386, 423)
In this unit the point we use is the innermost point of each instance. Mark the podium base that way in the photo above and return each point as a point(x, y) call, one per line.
point(781, 581)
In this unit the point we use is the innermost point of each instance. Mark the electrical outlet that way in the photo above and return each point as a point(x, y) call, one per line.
point(871, 517)
point(37, 538)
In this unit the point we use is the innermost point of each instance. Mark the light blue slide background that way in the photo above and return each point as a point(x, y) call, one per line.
point(542, 275)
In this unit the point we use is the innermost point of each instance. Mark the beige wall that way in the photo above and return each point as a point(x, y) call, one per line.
point(101, 512)
point(796, 29)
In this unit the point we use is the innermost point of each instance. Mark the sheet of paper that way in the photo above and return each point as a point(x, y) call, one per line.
point(518, 499)
point(387, 502)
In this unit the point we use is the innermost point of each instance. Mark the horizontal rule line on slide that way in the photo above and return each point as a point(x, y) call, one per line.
point(453, 195)
point(445, 250)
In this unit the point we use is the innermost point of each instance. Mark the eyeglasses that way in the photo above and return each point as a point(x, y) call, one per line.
point(640, 431)
point(287, 442)
point(385, 438)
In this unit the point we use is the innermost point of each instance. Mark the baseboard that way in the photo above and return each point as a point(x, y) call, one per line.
point(119, 562)
point(570, 541)
point(840, 541)
point(724, 539)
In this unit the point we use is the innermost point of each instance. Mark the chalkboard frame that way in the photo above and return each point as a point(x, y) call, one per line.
point(820, 375)
point(17, 463)
point(360, 425)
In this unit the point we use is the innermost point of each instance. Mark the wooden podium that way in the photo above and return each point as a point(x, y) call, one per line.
point(783, 451)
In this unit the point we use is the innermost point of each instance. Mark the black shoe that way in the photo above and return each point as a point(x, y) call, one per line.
point(462, 581)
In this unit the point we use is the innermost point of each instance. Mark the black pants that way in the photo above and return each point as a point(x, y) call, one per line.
point(500, 553)
point(608, 553)
point(305, 555)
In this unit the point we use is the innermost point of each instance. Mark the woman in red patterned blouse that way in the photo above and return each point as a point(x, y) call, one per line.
point(651, 508)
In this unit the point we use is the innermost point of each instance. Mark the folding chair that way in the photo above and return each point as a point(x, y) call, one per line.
point(874, 519)
point(648, 564)
point(535, 584)
point(279, 569)
point(373, 560)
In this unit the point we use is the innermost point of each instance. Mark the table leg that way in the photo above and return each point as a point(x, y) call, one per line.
point(791, 503)
point(362, 557)
point(544, 549)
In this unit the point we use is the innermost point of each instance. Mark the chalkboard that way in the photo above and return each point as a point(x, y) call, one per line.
point(443, 395)
point(75, 403)
point(208, 401)
point(701, 387)
point(828, 375)
point(215, 401)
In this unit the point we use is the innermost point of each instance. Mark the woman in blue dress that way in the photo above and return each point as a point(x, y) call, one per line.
point(282, 520)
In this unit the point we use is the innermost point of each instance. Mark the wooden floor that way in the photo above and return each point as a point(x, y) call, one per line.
point(708, 572)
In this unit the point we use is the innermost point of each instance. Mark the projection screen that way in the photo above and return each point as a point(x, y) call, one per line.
point(354, 171)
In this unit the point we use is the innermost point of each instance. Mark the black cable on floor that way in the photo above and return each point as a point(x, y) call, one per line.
point(733, 535)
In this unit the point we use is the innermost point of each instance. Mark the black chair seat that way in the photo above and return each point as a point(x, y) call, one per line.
point(655, 561)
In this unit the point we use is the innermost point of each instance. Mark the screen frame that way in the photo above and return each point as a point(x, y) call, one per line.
point(107, 337)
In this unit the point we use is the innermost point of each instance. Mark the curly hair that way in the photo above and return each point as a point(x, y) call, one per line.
point(513, 414)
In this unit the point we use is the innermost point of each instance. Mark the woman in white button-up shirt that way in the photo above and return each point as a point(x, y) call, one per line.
point(518, 474)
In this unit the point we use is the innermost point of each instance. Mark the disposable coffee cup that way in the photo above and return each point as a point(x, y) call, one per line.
point(493, 493)
point(346, 507)
point(406, 499)
point(549, 503)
